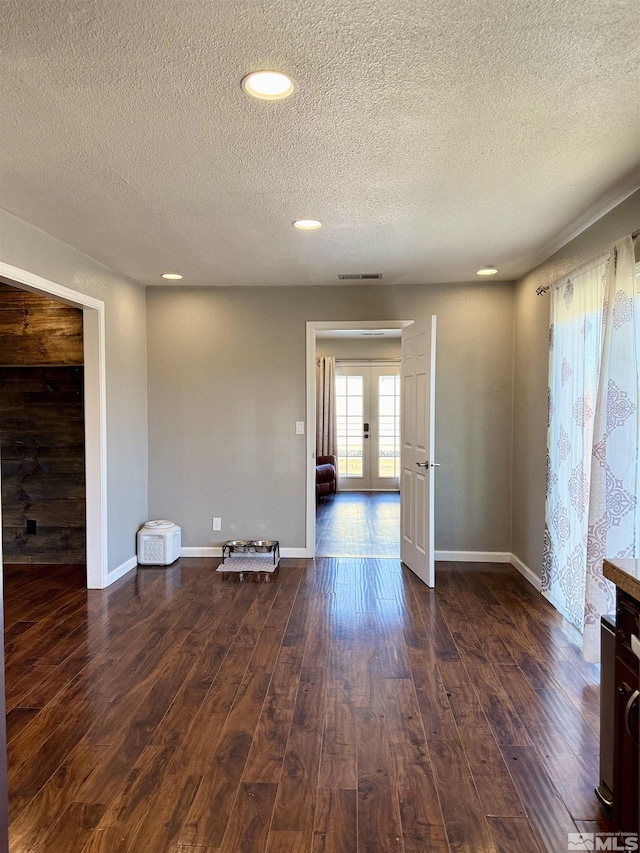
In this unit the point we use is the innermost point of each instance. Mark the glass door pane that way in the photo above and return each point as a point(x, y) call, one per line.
point(349, 415)
point(388, 426)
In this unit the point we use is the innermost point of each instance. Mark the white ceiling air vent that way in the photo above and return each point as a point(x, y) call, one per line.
point(360, 276)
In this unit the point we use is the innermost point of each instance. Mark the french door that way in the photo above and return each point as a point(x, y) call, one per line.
point(368, 419)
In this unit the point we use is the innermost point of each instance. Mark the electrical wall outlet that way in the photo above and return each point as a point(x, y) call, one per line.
point(217, 524)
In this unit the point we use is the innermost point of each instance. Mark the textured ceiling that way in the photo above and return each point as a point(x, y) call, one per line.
point(431, 138)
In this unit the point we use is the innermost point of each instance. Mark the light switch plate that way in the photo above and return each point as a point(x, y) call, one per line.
point(299, 427)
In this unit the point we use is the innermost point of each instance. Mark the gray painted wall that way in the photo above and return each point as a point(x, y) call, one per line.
point(227, 383)
point(359, 347)
point(531, 375)
point(33, 250)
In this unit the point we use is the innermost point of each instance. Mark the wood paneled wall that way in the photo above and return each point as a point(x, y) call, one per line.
point(41, 429)
point(35, 330)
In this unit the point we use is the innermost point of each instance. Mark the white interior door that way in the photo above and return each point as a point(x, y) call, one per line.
point(368, 421)
point(418, 448)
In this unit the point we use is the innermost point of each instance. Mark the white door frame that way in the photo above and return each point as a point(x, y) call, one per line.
point(313, 327)
point(95, 413)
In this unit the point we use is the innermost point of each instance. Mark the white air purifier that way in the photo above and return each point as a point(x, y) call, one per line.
point(159, 543)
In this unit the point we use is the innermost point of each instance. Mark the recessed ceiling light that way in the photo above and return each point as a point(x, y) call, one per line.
point(172, 276)
point(307, 224)
point(487, 271)
point(268, 85)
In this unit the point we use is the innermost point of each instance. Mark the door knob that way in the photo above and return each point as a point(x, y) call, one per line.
point(428, 464)
point(422, 464)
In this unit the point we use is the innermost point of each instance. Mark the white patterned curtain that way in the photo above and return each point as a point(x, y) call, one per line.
point(326, 430)
point(592, 446)
point(613, 503)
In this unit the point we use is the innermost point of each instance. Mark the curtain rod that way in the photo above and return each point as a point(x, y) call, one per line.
point(541, 291)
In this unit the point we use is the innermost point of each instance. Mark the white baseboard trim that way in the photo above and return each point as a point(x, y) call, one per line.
point(526, 572)
point(474, 556)
point(216, 551)
point(122, 570)
point(491, 557)
point(455, 556)
point(212, 551)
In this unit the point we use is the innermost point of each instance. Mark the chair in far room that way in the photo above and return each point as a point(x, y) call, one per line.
point(326, 476)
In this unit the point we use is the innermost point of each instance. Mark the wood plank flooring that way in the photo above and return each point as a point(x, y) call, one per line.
point(358, 524)
point(345, 708)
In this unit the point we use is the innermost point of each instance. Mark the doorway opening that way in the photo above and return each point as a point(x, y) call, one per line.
point(363, 518)
point(94, 395)
point(41, 432)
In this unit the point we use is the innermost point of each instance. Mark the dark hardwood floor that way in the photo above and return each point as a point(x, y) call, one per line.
point(358, 524)
point(345, 707)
